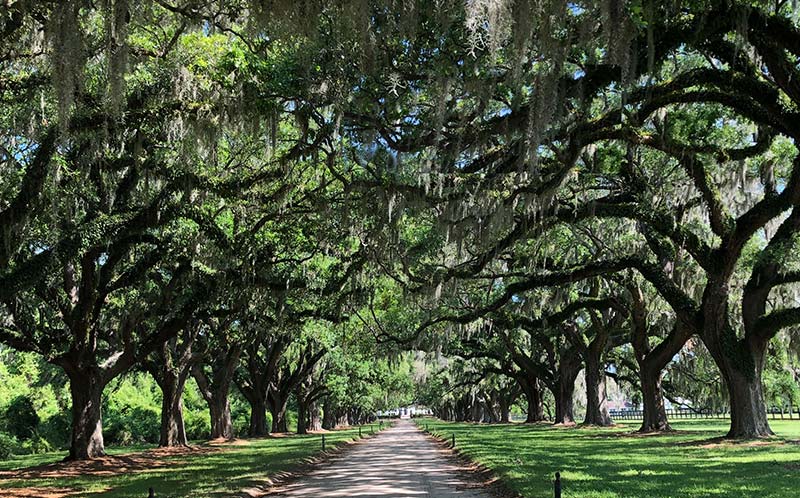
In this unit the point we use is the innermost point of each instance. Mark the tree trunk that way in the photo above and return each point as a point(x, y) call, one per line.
point(568, 370)
point(315, 421)
point(328, 414)
point(86, 389)
point(258, 410)
point(748, 409)
point(221, 424)
point(302, 416)
point(533, 395)
point(740, 361)
point(565, 407)
point(173, 430)
point(505, 411)
point(277, 408)
point(258, 417)
point(652, 361)
point(216, 388)
point(596, 401)
point(655, 414)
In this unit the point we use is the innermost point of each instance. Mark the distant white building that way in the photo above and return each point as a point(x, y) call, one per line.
point(406, 412)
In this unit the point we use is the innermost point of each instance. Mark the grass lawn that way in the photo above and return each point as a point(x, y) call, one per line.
point(612, 463)
point(205, 471)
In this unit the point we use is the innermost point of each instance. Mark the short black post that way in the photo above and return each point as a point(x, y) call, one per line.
point(323, 442)
point(557, 485)
point(454, 440)
point(151, 493)
point(359, 432)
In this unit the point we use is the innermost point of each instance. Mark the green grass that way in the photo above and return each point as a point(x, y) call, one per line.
point(216, 473)
point(612, 463)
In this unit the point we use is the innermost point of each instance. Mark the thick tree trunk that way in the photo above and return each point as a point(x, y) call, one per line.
point(258, 411)
point(215, 389)
point(565, 407)
point(533, 395)
point(748, 409)
point(328, 415)
point(302, 416)
point(86, 389)
point(740, 361)
point(596, 400)
point(221, 424)
point(277, 408)
point(258, 417)
point(505, 410)
point(655, 414)
point(173, 430)
point(315, 420)
point(568, 371)
point(652, 361)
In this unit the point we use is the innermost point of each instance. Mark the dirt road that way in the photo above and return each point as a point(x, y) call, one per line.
point(399, 462)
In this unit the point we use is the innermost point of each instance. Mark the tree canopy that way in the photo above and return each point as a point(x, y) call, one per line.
point(281, 199)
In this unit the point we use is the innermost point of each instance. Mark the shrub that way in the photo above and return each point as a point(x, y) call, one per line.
point(8, 446)
point(36, 445)
point(133, 425)
point(56, 429)
point(198, 425)
point(21, 418)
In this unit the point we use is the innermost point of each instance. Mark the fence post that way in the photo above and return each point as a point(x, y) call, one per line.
point(557, 486)
point(151, 493)
point(454, 440)
point(323, 442)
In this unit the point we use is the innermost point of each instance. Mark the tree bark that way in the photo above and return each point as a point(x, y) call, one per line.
point(277, 408)
point(533, 395)
point(258, 417)
point(86, 389)
point(328, 414)
point(221, 423)
point(315, 420)
point(216, 392)
point(596, 400)
point(505, 409)
point(568, 370)
point(565, 406)
point(173, 429)
point(748, 408)
point(655, 414)
point(652, 361)
point(303, 421)
point(740, 361)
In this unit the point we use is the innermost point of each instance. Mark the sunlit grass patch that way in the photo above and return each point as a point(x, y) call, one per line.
point(218, 471)
point(615, 463)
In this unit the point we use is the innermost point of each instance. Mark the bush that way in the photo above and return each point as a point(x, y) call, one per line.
point(8, 446)
point(21, 418)
point(37, 445)
point(240, 419)
point(133, 426)
point(198, 425)
point(56, 430)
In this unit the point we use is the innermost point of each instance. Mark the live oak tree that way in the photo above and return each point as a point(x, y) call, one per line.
point(167, 164)
point(733, 68)
point(170, 365)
